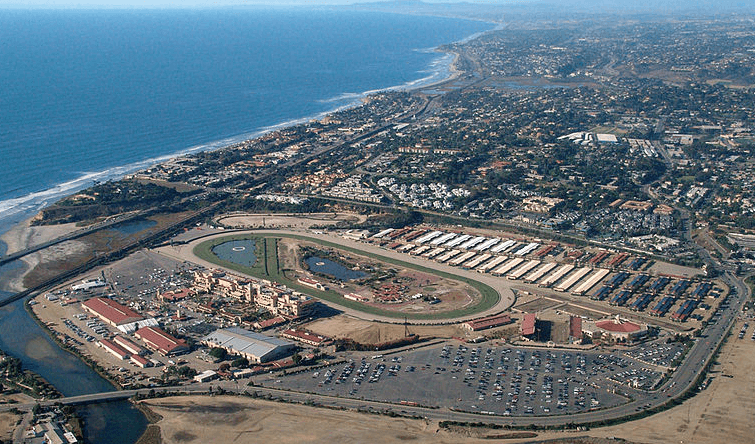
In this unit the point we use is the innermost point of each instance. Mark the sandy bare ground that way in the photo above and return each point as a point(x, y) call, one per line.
point(288, 220)
point(24, 235)
point(8, 423)
point(226, 419)
point(366, 332)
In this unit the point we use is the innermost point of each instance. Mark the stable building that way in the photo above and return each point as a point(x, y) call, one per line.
point(110, 311)
point(158, 340)
point(255, 347)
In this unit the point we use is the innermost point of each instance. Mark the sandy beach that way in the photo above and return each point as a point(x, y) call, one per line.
point(24, 235)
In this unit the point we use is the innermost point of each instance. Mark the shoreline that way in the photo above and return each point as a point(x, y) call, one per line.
point(21, 236)
point(27, 206)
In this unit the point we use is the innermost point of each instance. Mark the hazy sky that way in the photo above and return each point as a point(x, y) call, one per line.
point(191, 3)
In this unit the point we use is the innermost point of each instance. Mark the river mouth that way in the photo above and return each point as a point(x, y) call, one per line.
point(20, 336)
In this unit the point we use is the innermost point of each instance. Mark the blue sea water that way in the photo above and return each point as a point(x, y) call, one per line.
point(92, 95)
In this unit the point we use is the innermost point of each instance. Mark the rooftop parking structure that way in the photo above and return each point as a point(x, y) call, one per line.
point(487, 379)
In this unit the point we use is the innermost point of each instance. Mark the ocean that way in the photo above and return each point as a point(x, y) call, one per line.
point(95, 94)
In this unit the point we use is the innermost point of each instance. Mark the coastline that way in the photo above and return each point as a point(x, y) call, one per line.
point(27, 206)
point(24, 235)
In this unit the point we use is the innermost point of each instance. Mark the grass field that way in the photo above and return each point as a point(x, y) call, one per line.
point(267, 268)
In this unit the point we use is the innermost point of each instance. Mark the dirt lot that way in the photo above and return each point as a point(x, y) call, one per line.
point(367, 332)
point(288, 220)
point(239, 420)
point(197, 419)
point(8, 423)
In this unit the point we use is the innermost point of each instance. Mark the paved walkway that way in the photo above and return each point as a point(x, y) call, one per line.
point(501, 285)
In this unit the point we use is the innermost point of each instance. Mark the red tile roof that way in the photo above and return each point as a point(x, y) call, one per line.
point(618, 327)
point(528, 324)
point(161, 341)
point(489, 322)
point(112, 311)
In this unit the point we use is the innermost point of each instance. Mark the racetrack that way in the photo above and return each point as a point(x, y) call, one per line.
point(497, 292)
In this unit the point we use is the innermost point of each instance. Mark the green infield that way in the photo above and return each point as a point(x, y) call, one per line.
point(267, 267)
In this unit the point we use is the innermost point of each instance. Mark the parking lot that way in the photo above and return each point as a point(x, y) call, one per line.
point(497, 380)
point(659, 353)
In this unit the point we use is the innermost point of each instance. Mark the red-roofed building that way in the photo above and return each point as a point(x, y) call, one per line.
point(269, 323)
point(141, 361)
point(176, 295)
point(110, 311)
point(158, 340)
point(114, 349)
point(488, 322)
point(575, 326)
point(528, 324)
point(129, 346)
point(305, 337)
point(616, 329)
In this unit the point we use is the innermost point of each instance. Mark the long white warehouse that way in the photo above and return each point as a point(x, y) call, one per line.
point(508, 266)
point(491, 264)
point(443, 239)
point(487, 244)
point(472, 242)
point(463, 258)
point(591, 281)
point(527, 249)
point(519, 272)
point(572, 279)
point(448, 255)
point(556, 275)
point(540, 272)
point(428, 237)
point(503, 246)
point(456, 241)
point(478, 260)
